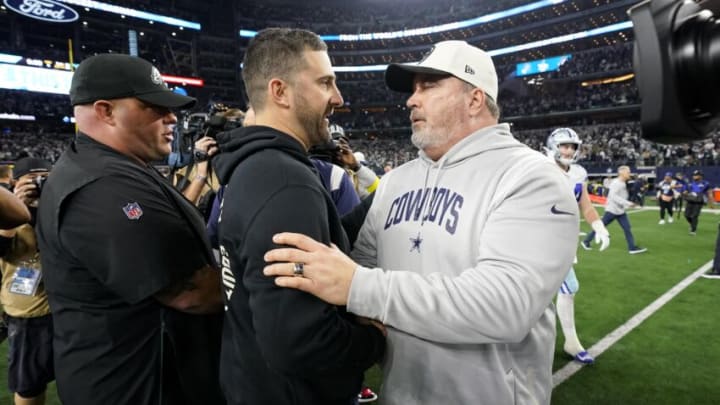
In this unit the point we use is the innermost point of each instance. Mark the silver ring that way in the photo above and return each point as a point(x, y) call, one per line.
point(298, 269)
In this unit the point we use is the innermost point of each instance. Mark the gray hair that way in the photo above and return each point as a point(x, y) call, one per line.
point(490, 104)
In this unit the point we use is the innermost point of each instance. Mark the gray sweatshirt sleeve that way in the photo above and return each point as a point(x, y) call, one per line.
point(525, 250)
point(365, 250)
point(617, 201)
point(366, 177)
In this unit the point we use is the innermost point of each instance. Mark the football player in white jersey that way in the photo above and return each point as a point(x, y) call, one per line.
point(563, 145)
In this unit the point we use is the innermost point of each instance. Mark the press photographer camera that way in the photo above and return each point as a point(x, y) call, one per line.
point(676, 63)
point(333, 150)
point(219, 118)
point(30, 175)
point(196, 180)
point(338, 152)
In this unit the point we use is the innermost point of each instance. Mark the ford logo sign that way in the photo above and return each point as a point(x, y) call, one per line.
point(46, 10)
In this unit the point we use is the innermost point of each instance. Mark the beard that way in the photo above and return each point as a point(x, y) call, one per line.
point(439, 129)
point(427, 138)
point(312, 122)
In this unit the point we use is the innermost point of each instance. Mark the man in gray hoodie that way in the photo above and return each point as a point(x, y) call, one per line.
point(617, 203)
point(461, 251)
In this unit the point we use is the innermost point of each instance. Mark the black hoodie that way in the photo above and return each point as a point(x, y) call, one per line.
point(281, 346)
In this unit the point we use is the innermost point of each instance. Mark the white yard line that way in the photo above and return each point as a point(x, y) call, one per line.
point(598, 348)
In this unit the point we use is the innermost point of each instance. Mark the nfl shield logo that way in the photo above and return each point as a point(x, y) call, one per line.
point(132, 210)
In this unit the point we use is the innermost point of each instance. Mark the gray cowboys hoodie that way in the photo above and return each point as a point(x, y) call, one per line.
point(461, 259)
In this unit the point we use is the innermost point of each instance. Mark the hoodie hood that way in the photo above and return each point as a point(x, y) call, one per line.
point(238, 144)
point(489, 138)
point(494, 137)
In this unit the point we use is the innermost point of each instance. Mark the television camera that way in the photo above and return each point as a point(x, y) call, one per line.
point(676, 61)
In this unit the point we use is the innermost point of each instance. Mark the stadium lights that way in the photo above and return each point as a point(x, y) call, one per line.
point(16, 117)
point(513, 49)
point(190, 81)
point(110, 8)
point(563, 38)
point(616, 79)
point(434, 29)
point(7, 58)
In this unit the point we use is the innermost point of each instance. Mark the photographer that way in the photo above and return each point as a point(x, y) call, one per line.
point(200, 181)
point(23, 296)
point(698, 193)
point(12, 211)
point(197, 181)
point(339, 152)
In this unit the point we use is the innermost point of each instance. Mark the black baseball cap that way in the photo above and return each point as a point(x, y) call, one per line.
point(110, 76)
point(30, 165)
point(697, 173)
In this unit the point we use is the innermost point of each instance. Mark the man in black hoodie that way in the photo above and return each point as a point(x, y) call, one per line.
point(284, 346)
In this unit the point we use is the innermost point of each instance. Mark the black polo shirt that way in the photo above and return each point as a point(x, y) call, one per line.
point(112, 234)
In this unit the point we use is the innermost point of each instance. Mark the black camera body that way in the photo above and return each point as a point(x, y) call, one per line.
point(676, 63)
point(326, 151)
point(199, 125)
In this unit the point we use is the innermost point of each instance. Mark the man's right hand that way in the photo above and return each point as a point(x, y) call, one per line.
point(205, 147)
point(328, 272)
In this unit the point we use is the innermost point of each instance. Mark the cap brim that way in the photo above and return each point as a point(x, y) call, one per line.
point(168, 99)
point(400, 77)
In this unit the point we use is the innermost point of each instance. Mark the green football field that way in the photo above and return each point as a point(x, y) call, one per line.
point(672, 357)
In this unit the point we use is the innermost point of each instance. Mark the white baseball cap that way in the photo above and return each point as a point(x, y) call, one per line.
point(458, 58)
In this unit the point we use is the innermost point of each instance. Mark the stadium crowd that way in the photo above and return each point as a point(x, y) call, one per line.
point(381, 133)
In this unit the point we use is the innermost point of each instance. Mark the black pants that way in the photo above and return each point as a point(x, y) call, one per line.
point(678, 202)
point(692, 212)
point(666, 206)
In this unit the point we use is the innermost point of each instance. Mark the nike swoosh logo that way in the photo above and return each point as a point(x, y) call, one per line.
point(556, 211)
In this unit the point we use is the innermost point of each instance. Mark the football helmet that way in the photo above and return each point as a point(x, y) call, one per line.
point(336, 131)
point(559, 137)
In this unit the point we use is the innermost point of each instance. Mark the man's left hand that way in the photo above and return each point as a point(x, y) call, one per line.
point(327, 271)
point(602, 235)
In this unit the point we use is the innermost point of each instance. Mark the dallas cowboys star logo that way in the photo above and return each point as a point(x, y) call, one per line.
point(416, 243)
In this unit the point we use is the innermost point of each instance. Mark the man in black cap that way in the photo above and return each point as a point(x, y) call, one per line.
point(696, 195)
point(129, 272)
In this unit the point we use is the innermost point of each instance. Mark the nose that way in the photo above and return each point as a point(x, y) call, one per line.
point(170, 117)
point(413, 100)
point(336, 100)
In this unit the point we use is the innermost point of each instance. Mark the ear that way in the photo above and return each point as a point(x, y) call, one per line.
point(104, 111)
point(279, 92)
point(477, 101)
